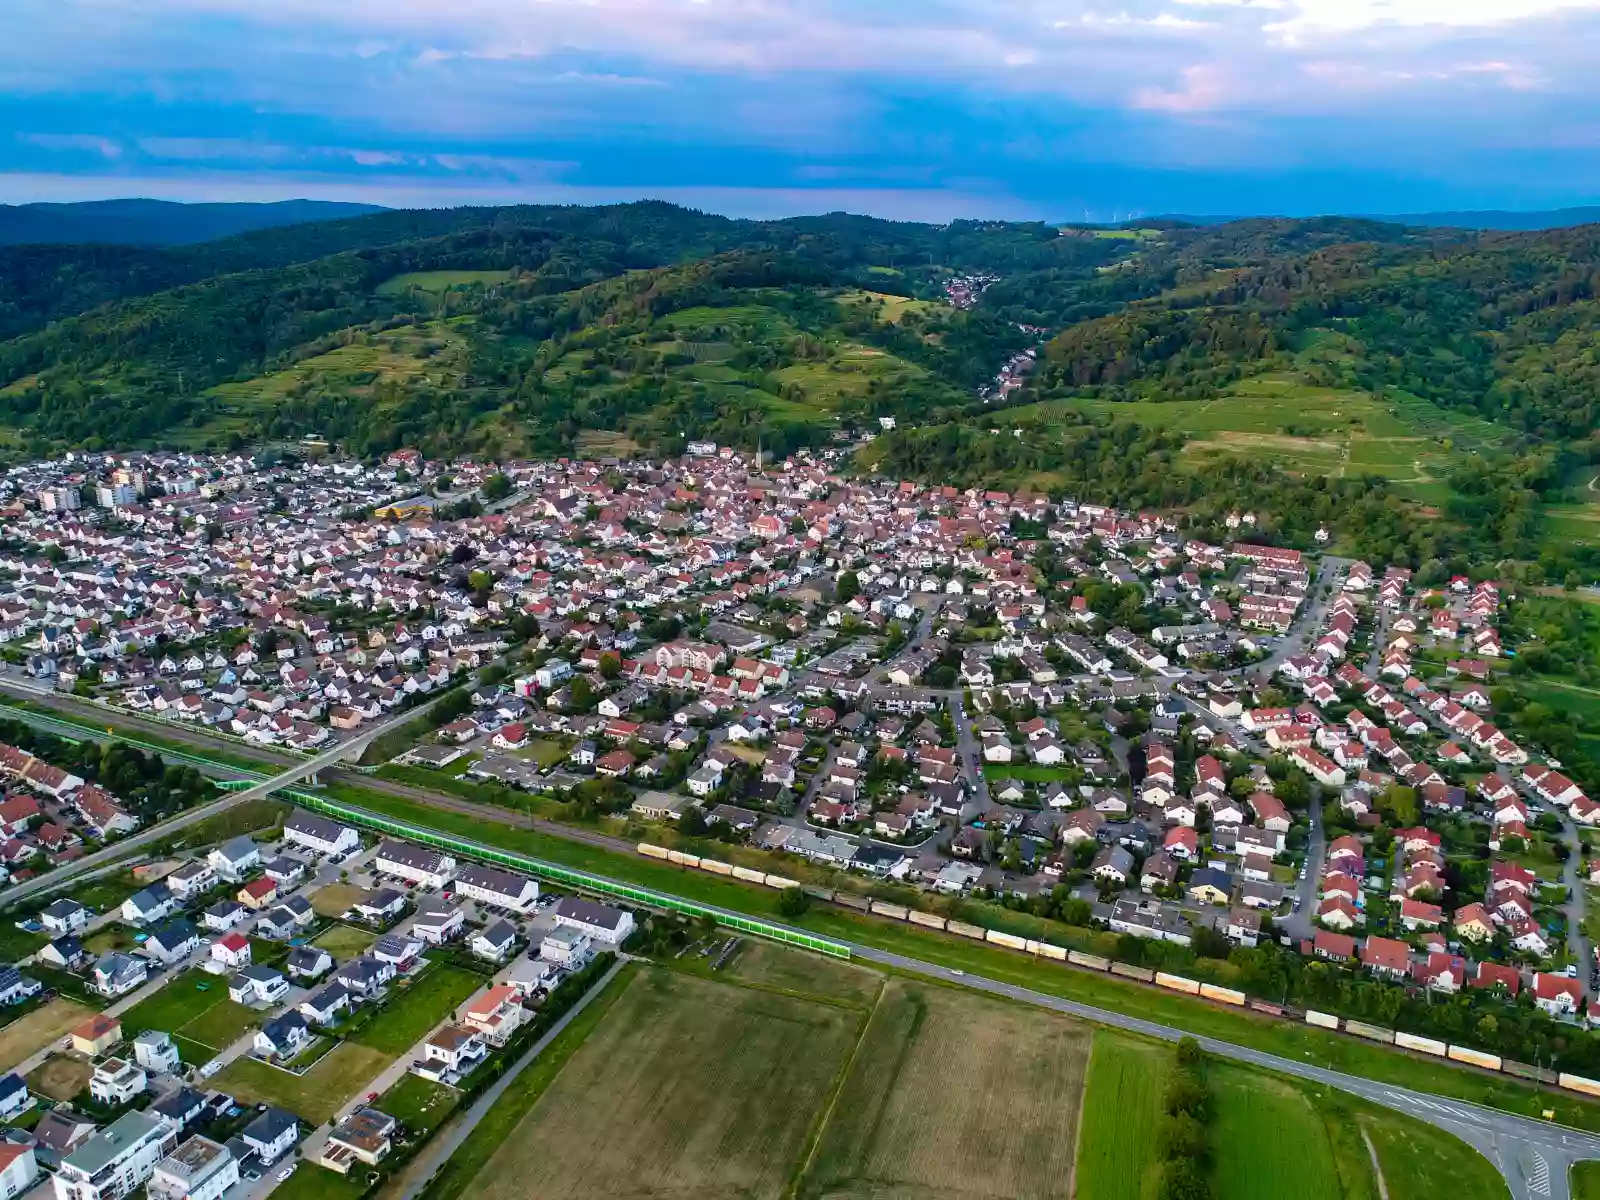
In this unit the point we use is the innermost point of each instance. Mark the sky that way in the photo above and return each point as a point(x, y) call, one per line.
point(920, 109)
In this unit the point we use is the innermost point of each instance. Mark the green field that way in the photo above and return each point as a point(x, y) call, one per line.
point(1296, 1159)
point(1309, 429)
point(689, 1087)
point(424, 356)
point(342, 1073)
point(203, 1016)
point(419, 1104)
point(311, 1182)
point(1586, 1181)
point(440, 281)
point(1118, 1156)
point(412, 1011)
point(1414, 1157)
point(344, 941)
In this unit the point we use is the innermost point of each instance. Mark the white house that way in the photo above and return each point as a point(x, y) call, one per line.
point(319, 834)
point(491, 885)
point(258, 985)
point(415, 863)
point(235, 859)
point(154, 1050)
point(18, 1169)
point(231, 952)
point(115, 1161)
point(200, 1169)
point(116, 1081)
point(603, 924)
point(566, 947)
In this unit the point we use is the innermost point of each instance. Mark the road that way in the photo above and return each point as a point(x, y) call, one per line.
point(290, 775)
point(1298, 923)
point(1308, 621)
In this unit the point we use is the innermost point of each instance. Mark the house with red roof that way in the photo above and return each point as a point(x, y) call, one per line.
point(1386, 957)
point(1557, 995)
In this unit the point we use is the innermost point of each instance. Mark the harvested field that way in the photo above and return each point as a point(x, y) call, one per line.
point(688, 1088)
point(762, 964)
point(32, 1032)
point(1118, 1151)
point(957, 1096)
point(61, 1078)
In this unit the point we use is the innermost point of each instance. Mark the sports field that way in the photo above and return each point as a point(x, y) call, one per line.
point(957, 1096)
point(689, 1088)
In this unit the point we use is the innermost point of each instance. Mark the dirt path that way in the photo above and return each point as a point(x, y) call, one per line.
point(1377, 1169)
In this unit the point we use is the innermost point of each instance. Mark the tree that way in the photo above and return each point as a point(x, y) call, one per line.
point(793, 903)
point(849, 587)
point(496, 487)
point(610, 665)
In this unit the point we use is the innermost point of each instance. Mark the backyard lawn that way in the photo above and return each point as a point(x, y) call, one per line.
point(412, 1011)
point(342, 1073)
point(194, 1008)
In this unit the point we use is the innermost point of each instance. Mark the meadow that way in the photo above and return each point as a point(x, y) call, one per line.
point(316, 1095)
point(413, 1010)
point(438, 282)
point(33, 1031)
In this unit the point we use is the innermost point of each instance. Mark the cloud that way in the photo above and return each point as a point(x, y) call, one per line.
point(964, 97)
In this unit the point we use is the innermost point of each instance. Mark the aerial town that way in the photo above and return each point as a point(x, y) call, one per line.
point(945, 708)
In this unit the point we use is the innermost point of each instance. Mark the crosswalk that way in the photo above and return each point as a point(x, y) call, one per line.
point(1538, 1175)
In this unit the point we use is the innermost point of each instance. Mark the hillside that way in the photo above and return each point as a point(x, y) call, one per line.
point(1448, 374)
point(197, 362)
point(157, 222)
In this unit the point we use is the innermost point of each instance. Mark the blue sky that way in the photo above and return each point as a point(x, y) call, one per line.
point(924, 109)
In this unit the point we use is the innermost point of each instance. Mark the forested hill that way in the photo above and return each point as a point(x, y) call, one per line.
point(157, 222)
point(425, 326)
point(1505, 325)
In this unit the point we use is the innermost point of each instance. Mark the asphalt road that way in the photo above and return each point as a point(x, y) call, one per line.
point(290, 775)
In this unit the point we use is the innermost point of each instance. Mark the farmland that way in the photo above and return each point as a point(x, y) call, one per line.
point(1296, 1160)
point(900, 1127)
point(1117, 1150)
point(679, 1091)
point(764, 965)
point(1312, 430)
